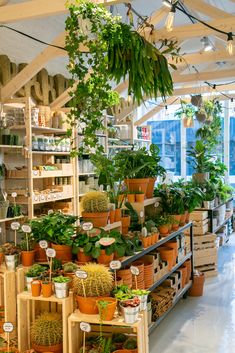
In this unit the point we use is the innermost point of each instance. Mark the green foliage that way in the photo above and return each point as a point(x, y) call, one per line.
point(95, 201)
point(70, 267)
point(172, 198)
point(163, 220)
point(47, 330)
point(199, 157)
point(27, 243)
point(61, 279)
point(131, 343)
point(185, 111)
point(35, 271)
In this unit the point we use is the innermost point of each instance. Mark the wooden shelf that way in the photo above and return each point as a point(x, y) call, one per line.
point(120, 146)
point(83, 174)
point(11, 219)
point(112, 226)
point(40, 129)
point(51, 153)
point(51, 176)
point(10, 147)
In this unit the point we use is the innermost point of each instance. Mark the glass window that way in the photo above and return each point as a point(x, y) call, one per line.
point(167, 135)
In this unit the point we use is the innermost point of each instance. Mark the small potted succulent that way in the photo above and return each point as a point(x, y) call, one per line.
point(142, 294)
point(33, 273)
point(61, 285)
point(95, 208)
point(11, 256)
point(107, 307)
point(69, 269)
point(130, 309)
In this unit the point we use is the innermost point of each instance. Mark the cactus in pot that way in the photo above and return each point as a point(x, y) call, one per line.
point(96, 208)
point(47, 333)
point(99, 283)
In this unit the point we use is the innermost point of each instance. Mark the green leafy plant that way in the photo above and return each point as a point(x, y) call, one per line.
point(61, 279)
point(163, 220)
point(131, 343)
point(27, 243)
point(35, 271)
point(199, 157)
point(186, 111)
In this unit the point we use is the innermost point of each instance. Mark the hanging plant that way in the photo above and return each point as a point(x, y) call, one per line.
point(186, 112)
point(114, 51)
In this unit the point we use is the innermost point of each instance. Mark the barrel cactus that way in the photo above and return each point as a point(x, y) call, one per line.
point(47, 330)
point(99, 281)
point(95, 201)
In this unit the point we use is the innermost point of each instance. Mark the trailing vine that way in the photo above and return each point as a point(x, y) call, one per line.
point(114, 51)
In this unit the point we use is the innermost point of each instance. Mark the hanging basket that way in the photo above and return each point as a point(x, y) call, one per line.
point(188, 122)
point(201, 117)
point(196, 100)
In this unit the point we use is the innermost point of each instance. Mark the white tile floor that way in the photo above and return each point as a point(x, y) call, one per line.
point(205, 324)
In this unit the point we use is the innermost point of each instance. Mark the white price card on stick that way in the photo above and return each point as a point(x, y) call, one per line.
point(115, 265)
point(8, 327)
point(81, 274)
point(87, 226)
point(50, 252)
point(26, 228)
point(14, 194)
point(135, 271)
point(85, 327)
point(43, 244)
point(141, 214)
point(15, 225)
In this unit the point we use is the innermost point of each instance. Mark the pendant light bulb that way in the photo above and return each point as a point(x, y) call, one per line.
point(170, 19)
point(230, 43)
point(167, 3)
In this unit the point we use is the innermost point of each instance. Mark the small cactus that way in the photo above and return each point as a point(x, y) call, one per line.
point(70, 267)
point(95, 201)
point(99, 281)
point(47, 329)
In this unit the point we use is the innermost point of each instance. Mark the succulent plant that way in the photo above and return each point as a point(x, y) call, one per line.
point(131, 343)
point(95, 201)
point(99, 281)
point(70, 267)
point(47, 329)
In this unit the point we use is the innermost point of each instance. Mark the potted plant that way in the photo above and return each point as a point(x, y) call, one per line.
point(95, 208)
point(61, 285)
point(39, 232)
point(131, 196)
point(210, 191)
point(106, 250)
point(107, 307)
point(130, 345)
point(163, 223)
point(186, 112)
point(99, 283)
point(27, 250)
point(69, 269)
point(47, 333)
point(145, 237)
point(142, 294)
point(130, 309)
point(126, 221)
point(139, 196)
point(33, 273)
point(79, 243)
point(11, 256)
point(199, 159)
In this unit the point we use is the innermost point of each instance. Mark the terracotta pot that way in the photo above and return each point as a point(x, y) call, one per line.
point(63, 252)
point(155, 237)
point(82, 257)
point(1, 257)
point(184, 273)
point(168, 255)
point(36, 288)
point(173, 245)
point(40, 254)
point(145, 242)
point(87, 305)
point(164, 229)
point(188, 122)
point(139, 197)
point(119, 281)
point(189, 269)
point(170, 227)
point(47, 289)
point(58, 348)
point(27, 258)
point(125, 230)
point(131, 198)
point(126, 276)
point(176, 219)
point(137, 184)
point(112, 216)
point(118, 214)
point(104, 258)
point(107, 313)
point(126, 222)
point(198, 285)
point(150, 187)
point(187, 215)
point(99, 219)
point(182, 219)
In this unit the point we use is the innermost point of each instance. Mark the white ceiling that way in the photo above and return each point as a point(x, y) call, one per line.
point(22, 50)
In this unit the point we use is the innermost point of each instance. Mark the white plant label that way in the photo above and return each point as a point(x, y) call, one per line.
point(156, 204)
point(101, 188)
point(15, 225)
point(43, 244)
point(115, 265)
point(14, 194)
point(50, 212)
point(85, 327)
point(26, 228)
point(135, 271)
point(141, 214)
point(35, 172)
point(8, 327)
point(81, 274)
point(87, 226)
point(50, 252)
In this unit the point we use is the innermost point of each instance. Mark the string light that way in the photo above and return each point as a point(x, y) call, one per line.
point(166, 3)
point(170, 19)
point(207, 44)
point(230, 43)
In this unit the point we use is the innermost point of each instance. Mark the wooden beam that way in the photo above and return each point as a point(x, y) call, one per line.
point(206, 9)
point(33, 68)
point(196, 30)
point(205, 57)
point(203, 76)
point(64, 98)
point(28, 10)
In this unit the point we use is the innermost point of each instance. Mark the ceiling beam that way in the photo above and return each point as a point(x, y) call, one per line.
point(205, 57)
point(203, 76)
point(206, 9)
point(28, 10)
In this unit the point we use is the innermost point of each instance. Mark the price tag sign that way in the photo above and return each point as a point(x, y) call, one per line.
point(43, 244)
point(26, 228)
point(14, 194)
point(8, 327)
point(156, 204)
point(50, 252)
point(141, 214)
point(35, 172)
point(87, 226)
point(135, 271)
point(81, 274)
point(85, 327)
point(115, 265)
point(15, 225)
point(50, 212)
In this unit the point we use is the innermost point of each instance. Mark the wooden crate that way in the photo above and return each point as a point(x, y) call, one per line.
point(140, 328)
point(206, 253)
point(29, 307)
point(208, 270)
point(198, 215)
point(199, 230)
point(8, 296)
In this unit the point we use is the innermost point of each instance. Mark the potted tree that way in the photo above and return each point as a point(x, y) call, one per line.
point(47, 333)
point(95, 208)
point(99, 283)
point(199, 159)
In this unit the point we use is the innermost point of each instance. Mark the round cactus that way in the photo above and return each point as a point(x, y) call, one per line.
point(47, 330)
point(99, 281)
point(95, 201)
